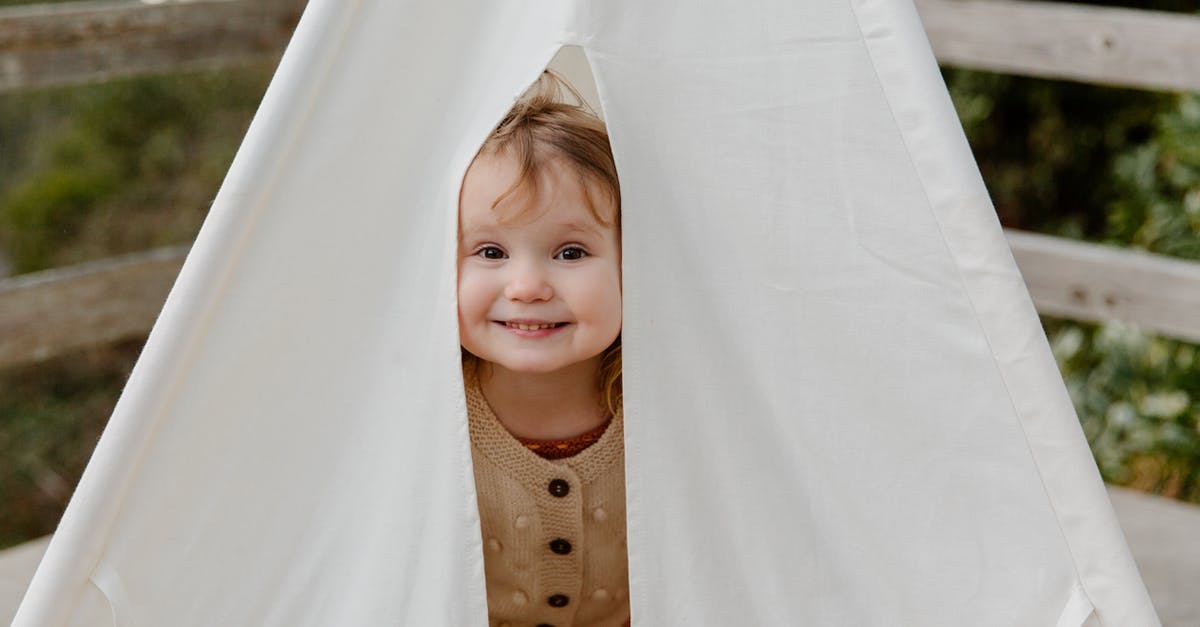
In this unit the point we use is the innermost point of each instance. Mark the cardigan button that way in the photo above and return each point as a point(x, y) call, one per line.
point(519, 598)
point(521, 522)
point(560, 546)
point(558, 600)
point(599, 515)
point(559, 488)
point(600, 595)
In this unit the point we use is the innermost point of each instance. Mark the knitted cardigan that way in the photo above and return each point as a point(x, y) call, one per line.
point(553, 530)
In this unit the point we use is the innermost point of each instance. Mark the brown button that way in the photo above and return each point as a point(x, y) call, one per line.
point(559, 488)
point(560, 546)
point(558, 600)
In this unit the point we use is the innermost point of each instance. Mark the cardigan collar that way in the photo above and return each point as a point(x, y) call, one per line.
point(493, 440)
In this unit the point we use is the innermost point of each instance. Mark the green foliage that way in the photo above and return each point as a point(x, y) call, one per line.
point(1138, 395)
point(1138, 398)
point(50, 417)
point(1041, 144)
point(119, 167)
point(1158, 204)
point(50, 209)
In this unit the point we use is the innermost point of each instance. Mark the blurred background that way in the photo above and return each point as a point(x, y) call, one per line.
point(118, 121)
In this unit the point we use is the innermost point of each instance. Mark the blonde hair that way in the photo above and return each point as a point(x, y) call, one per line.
point(541, 127)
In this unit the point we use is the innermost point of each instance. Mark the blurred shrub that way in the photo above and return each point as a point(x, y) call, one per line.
point(51, 415)
point(1138, 398)
point(1138, 395)
point(1044, 147)
point(118, 167)
point(1157, 206)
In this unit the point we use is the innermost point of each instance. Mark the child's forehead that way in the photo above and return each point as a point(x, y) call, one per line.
point(557, 218)
point(556, 198)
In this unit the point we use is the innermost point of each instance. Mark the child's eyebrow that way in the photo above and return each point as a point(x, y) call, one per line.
point(474, 227)
point(472, 230)
point(582, 227)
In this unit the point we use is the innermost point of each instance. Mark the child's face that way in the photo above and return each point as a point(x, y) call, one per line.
point(539, 277)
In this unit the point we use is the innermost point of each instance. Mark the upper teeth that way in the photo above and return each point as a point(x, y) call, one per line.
point(530, 327)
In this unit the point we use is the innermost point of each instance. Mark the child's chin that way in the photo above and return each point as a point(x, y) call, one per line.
point(534, 366)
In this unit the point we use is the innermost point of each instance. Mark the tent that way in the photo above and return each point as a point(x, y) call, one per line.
point(840, 408)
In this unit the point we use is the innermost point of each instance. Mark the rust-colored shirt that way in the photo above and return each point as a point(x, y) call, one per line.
point(559, 449)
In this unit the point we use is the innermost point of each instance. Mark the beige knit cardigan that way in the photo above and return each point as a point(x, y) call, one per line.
point(553, 530)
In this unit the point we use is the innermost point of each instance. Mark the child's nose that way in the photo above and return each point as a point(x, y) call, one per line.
point(528, 284)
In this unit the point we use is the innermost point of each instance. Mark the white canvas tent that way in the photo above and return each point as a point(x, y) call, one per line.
point(840, 407)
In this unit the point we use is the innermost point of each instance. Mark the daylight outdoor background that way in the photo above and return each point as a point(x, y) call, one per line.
point(94, 171)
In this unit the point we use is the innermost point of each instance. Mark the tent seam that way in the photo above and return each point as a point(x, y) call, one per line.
point(970, 300)
point(632, 363)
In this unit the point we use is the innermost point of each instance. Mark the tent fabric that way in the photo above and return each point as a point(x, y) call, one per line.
point(840, 406)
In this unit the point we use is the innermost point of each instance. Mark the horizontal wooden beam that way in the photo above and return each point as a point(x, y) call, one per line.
point(50, 313)
point(46, 314)
point(1120, 47)
point(1092, 282)
point(73, 42)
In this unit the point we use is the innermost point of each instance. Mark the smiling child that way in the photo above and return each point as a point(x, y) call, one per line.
point(539, 307)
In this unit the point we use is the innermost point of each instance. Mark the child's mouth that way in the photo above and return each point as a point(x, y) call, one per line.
point(523, 326)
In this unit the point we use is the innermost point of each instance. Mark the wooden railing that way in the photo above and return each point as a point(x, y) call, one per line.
point(1120, 47)
point(74, 42)
point(44, 314)
point(53, 312)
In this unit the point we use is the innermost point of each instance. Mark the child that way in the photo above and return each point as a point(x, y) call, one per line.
point(539, 305)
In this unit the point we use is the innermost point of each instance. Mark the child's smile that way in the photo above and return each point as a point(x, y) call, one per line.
point(539, 283)
point(531, 328)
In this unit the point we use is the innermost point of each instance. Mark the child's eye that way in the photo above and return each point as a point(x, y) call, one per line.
point(571, 253)
point(490, 252)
